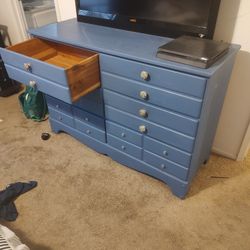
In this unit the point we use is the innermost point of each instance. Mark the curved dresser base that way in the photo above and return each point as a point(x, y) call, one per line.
point(178, 187)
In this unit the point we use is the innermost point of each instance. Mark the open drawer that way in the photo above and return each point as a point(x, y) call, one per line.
point(62, 71)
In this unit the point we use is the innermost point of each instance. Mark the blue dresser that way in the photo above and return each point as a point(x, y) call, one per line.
point(155, 116)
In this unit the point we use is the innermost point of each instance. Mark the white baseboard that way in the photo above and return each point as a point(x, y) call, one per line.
point(223, 153)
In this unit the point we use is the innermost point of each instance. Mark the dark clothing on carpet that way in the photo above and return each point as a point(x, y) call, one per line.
point(8, 209)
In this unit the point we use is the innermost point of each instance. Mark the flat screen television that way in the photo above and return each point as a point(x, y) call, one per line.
point(170, 18)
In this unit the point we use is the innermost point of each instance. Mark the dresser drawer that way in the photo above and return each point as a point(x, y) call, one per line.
point(124, 133)
point(152, 113)
point(91, 131)
point(152, 95)
point(61, 117)
point(73, 68)
point(166, 151)
point(154, 76)
point(125, 147)
point(158, 132)
point(59, 105)
point(88, 118)
point(41, 84)
point(165, 165)
point(93, 103)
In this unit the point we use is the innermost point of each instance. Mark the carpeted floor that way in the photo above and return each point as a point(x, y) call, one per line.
point(87, 201)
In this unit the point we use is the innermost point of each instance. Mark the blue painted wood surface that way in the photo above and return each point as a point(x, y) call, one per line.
point(171, 100)
point(166, 151)
point(165, 165)
point(59, 105)
point(126, 44)
point(92, 102)
point(123, 133)
point(43, 85)
point(156, 131)
point(89, 118)
point(86, 128)
point(155, 114)
point(157, 76)
point(124, 146)
point(61, 117)
point(39, 68)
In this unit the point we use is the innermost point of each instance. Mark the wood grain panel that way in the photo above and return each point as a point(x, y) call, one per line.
point(81, 66)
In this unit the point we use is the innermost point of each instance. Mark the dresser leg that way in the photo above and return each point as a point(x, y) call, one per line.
point(205, 162)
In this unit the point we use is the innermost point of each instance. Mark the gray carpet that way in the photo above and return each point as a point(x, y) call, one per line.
point(87, 201)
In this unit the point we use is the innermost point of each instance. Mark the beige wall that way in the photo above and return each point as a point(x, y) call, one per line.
point(9, 16)
point(233, 26)
point(65, 9)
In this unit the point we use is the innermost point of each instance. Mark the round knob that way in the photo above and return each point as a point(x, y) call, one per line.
point(145, 75)
point(163, 166)
point(144, 95)
point(142, 129)
point(57, 106)
point(165, 152)
point(88, 131)
point(123, 134)
point(32, 84)
point(60, 118)
point(27, 67)
point(143, 113)
point(123, 147)
point(86, 119)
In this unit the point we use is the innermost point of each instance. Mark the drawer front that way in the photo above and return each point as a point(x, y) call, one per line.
point(93, 103)
point(88, 118)
point(155, 114)
point(61, 117)
point(164, 78)
point(39, 68)
point(90, 130)
point(158, 132)
point(59, 105)
point(170, 100)
point(125, 147)
point(124, 133)
point(167, 152)
point(41, 84)
point(165, 165)
point(74, 68)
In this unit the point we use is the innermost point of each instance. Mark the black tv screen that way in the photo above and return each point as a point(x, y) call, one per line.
point(162, 17)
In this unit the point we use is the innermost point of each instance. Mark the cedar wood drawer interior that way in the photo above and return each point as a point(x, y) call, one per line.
point(81, 66)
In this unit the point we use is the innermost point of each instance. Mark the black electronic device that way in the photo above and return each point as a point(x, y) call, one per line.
point(170, 18)
point(194, 51)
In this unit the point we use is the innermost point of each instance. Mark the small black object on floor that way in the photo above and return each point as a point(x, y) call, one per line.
point(45, 136)
point(8, 209)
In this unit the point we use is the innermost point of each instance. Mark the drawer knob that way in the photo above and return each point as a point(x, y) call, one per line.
point(123, 147)
point(27, 67)
point(143, 113)
point(32, 84)
point(163, 166)
point(142, 129)
point(123, 135)
point(165, 152)
point(86, 119)
point(145, 75)
point(57, 106)
point(88, 131)
point(144, 95)
point(60, 118)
